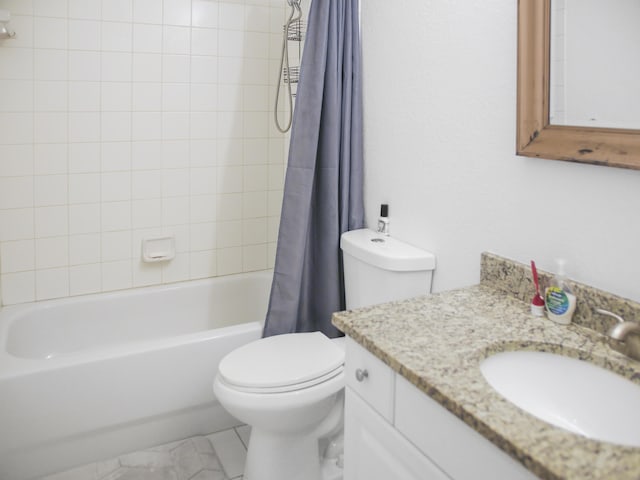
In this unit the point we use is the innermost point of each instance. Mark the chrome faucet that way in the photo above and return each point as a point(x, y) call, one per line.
point(622, 328)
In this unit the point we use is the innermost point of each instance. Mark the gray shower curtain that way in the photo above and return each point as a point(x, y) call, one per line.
point(323, 188)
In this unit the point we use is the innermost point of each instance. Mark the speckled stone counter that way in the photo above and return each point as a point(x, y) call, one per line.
point(438, 341)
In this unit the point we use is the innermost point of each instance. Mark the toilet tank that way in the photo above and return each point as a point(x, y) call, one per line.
point(379, 269)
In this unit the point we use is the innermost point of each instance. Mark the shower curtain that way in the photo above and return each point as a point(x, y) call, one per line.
point(323, 193)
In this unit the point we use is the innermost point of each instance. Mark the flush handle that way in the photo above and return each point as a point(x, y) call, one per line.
point(361, 374)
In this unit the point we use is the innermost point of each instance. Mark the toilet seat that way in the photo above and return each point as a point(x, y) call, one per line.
point(282, 363)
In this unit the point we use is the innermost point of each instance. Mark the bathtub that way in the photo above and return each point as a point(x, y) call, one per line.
point(88, 378)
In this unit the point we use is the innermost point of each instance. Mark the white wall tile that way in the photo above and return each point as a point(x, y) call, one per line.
point(145, 274)
point(116, 96)
point(116, 156)
point(202, 264)
point(254, 257)
point(17, 224)
point(52, 283)
point(50, 8)
point(203, 152)
point(84, 96)
point(175, 125)
point(204, 125)
point(115, 216)
point(116, 66)
point(84, 249)
point(147, 38)
point(147, 11)
point(202, 236)
point(16, 192)
point(16, 95)
point(175, 97)
point(204, 41)
point(84, 127)
point(116, 275)
point(204, 13)
point(146, 213)
point(117, 37)
point(115, 126)
point(175, 182)
point(232, 16)
point(175, 154)
point(18, 287)
point(16, 128)
point(50, 96)
point(177, 12)
point(84, 188)
point(147, 97)
point(17, 63)
point(146, 184)
point(177, 270)
point(84, 157)
point(256, 204)
point(116, 246)
point(146, 126)
point(146, 155)
point(50, 127)
point(229, 260)
point(84, 218)
point(50, 33)
point(115, 186)
point(229, 206)
point(117, 10)
point(85, 279)
point(84, 65)
point(51, 221)
point(52, 252)
point(176, 40)
point(147, 67)
point(203, 180)
point(17, 256)
point(254, 231)
point(175, 68)
point(204, 97)
point(16, 160)
point(203, 208)
point(85, 9)
point(50, 190)
point(204, 69)
point(175, 210)
point(84, 35)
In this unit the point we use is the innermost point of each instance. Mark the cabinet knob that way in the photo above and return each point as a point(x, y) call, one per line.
point(361, 374)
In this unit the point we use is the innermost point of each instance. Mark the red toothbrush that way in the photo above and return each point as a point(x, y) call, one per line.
point(537, 303)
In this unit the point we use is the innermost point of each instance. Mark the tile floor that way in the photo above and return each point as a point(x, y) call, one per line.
point(219, 456)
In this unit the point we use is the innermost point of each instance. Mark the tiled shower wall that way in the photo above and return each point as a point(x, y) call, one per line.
point(126, 119)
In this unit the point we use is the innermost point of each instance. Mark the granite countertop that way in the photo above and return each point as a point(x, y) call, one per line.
point(438, 341)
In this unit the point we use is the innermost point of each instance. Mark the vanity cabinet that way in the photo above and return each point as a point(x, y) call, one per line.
point(395, 431)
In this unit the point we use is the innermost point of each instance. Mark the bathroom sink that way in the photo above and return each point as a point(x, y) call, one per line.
point(571, 394)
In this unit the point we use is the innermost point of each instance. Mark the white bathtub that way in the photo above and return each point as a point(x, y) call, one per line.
point(87, 378)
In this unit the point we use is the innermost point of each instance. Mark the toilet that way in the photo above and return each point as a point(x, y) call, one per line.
point(290, 388)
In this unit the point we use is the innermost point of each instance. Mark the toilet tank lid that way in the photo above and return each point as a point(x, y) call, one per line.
point(386, 252)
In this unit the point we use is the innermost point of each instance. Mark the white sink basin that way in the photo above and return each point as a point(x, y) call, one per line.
point(568, 393)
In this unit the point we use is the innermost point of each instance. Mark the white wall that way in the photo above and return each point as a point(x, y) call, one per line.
point(440, 92)
point(121, 119)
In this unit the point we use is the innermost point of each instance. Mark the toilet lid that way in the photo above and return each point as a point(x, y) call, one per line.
point(282, 362)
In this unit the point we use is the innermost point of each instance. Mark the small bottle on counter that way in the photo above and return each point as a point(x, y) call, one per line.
point(560, 302)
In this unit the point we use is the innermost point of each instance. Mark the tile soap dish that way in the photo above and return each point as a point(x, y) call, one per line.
point(158, 249)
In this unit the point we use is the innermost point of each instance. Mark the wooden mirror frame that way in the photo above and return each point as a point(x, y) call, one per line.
point(536, 137)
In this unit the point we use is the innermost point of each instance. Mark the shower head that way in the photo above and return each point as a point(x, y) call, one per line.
point(294, 3)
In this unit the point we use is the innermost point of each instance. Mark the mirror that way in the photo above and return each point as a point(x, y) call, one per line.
point(536, 135)
point(592, 83)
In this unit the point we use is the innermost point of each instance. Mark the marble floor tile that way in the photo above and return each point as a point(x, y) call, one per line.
point(193, 458)
point(231, 452)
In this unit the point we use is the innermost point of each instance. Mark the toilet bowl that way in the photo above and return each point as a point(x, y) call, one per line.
point(289, 388)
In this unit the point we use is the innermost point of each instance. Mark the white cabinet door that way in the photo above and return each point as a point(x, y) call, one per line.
point(374, 450)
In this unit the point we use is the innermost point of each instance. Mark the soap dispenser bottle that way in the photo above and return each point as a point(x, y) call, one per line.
point(383, 219)
point(560, 302)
